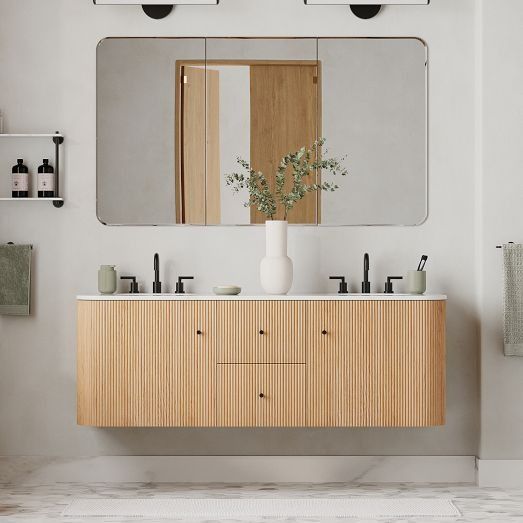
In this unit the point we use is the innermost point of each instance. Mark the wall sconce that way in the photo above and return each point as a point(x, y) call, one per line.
point(156, 8)
point(366, 8)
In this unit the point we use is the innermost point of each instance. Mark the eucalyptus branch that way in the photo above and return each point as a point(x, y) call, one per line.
point(299, 167)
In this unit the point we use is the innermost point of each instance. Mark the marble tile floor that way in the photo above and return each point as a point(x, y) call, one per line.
point(45, 503)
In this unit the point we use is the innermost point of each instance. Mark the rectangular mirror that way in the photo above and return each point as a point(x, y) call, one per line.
point(139, 101)
point(374, 111)
point(173, 115)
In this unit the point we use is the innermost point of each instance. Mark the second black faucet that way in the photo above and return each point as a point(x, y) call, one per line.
point(157, 284)
point(365, 284)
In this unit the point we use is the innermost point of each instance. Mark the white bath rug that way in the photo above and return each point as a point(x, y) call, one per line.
point(187, 508)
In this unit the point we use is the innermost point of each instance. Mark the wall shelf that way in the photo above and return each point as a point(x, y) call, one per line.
point(57, 202)
point(58, 139)
point(31, 135)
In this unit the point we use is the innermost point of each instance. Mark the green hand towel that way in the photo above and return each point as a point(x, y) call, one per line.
point(15, 279)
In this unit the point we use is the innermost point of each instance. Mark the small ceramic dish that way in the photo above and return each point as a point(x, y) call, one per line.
point(227, 290)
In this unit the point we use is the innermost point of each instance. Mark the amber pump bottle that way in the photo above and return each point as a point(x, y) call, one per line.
point(45, 180)
point(20, 180)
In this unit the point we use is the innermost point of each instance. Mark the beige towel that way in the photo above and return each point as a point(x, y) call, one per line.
point(15, 279)
point(513, 299)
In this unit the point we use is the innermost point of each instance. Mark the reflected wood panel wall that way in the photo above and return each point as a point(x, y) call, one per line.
point(284, 118)
point(197, 145)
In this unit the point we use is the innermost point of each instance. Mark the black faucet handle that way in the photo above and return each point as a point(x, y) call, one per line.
point(179, 284)
point(343, 289)
point(388, 284)
point(134, 285)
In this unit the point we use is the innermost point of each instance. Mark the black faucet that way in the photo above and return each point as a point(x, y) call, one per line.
point(134, 284)
point(388, 284)
point(365, 284)
point(343, 288)
point(157, 284)
point(179, 284)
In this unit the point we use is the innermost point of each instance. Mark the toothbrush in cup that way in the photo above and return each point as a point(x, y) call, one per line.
point(423, 261)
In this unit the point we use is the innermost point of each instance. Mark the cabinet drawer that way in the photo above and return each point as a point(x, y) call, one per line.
point(260, 332)
point(261, 395)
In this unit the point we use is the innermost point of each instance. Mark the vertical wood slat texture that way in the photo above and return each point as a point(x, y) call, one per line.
point(381, 363)
point(238, 326)
point(239, 402)
point(142, 363)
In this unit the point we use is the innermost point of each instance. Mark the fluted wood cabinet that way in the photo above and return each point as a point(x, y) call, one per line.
point(261, 363)
point(261, 395)
point(146, 364)
point(375, 363)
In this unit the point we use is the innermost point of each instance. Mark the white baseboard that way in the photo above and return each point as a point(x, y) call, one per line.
point(244, 469)
point(501, 473)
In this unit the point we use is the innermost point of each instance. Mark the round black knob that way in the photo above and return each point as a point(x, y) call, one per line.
point(198, 332)
point(262, 395)
point(261, 331)
point(324, 332)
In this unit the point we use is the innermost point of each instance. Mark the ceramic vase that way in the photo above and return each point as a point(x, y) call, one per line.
point(276, 268)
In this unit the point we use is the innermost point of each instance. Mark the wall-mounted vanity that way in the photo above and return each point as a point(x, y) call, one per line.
point(174, 113)
point(302, 361)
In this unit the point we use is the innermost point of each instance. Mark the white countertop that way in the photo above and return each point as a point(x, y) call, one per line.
point(245, 297)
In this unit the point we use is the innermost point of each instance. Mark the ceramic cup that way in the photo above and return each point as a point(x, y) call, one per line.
point(107, 279)
point(416, 282)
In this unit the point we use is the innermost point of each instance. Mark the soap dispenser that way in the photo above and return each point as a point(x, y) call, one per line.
point(45, 180)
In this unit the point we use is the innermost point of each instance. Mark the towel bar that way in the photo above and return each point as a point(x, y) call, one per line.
point(12, 243)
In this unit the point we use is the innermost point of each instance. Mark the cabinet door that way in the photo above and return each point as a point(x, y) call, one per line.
point(261, 331)
point(145, 364)
point(376, 363)
point(261, 395)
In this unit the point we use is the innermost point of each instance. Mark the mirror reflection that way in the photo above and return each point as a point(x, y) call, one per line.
point(173, 117)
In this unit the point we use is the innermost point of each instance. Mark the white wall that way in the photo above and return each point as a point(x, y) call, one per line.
point(235, 118)
point(502, 221)
point(47, 82)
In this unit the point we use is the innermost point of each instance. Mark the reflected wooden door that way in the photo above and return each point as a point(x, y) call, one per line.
point(198, 152)
point(284, 118)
